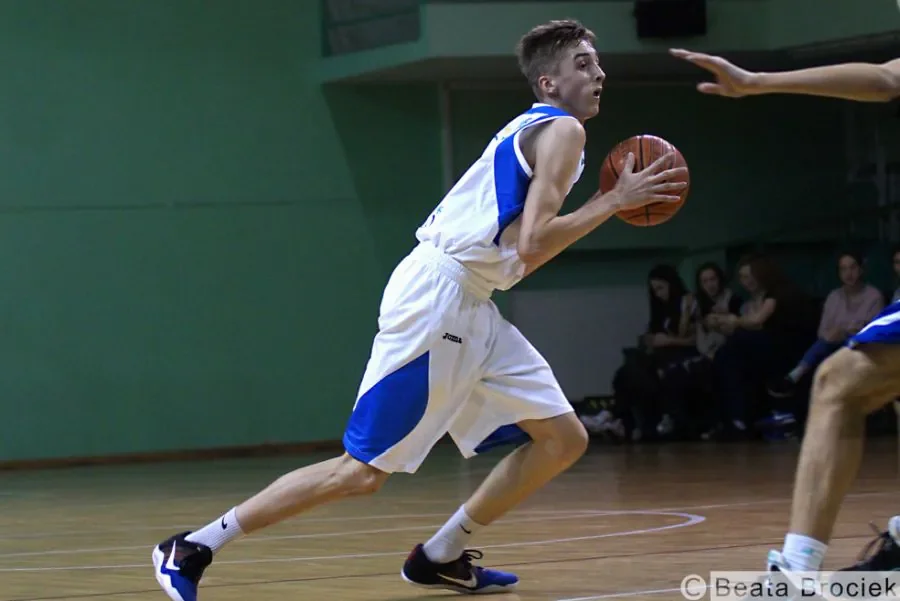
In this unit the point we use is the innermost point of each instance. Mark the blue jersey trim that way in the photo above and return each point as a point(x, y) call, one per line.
point(511, 181)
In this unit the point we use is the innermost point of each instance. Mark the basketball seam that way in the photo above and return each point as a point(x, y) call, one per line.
point(641, 154)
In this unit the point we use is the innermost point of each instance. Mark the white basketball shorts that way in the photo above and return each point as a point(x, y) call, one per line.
point(445, 360)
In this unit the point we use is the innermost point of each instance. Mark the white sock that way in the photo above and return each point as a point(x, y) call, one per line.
point(450, 541)
point(803, 554)
point(894, 528)
point(217, 534)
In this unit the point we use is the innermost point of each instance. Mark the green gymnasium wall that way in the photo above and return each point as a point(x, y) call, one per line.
point(194, 234)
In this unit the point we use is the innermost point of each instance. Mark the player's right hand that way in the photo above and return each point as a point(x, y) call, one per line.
point(653, 184)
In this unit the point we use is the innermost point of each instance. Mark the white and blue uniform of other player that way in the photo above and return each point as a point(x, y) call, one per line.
point(444, 359)
point(884, 329)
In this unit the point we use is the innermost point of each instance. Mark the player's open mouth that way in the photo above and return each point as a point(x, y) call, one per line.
point(597, 93)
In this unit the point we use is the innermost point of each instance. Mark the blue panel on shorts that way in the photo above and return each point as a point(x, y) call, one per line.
point(504, 435)
point(388, 411)
point(884, 329)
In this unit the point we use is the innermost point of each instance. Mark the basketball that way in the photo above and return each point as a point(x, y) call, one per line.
point(646, 149)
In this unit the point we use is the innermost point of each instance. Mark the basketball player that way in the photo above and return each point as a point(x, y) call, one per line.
point(444, 360)
point(859, 378)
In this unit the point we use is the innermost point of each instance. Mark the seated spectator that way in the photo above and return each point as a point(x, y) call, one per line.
point(847, 310)
point(714, 301)
point(777, 324)
point(668, 340)
point(668, 334)
point(691, 379)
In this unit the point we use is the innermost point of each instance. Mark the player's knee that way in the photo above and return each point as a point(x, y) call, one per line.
point(565, 439)
point(836, 381)
point(577, 443)
point(355, 478)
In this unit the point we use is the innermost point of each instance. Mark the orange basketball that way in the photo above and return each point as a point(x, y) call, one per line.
point(646, 149)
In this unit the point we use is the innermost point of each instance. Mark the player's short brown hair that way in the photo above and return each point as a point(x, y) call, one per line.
point(540, 49)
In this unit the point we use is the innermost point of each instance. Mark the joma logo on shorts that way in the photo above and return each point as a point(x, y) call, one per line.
point(452, 338)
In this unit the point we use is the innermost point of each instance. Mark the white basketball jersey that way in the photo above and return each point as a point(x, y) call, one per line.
point(477, 223)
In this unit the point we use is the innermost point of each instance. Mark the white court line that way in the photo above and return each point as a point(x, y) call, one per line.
point(689, 521)
point(418, 479)
point(655, 591)
point(660, 591)
point(395, 516)
point(352, 518)
point(560, 515)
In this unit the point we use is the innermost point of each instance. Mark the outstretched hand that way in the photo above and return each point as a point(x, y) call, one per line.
point(731, 80)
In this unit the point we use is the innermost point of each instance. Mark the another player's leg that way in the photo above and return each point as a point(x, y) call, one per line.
point(883, 552)
point(847, 387)
point(520, 384)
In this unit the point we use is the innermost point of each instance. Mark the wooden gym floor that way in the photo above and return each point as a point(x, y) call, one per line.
point(623, 523)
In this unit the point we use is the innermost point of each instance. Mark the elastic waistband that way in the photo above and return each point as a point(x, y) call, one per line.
point(453, 269)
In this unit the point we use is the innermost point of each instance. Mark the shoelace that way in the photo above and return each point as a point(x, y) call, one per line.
point(468, 555)
point(882, 539)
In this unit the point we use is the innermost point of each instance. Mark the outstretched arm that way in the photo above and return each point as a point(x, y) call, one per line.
point(863, 82)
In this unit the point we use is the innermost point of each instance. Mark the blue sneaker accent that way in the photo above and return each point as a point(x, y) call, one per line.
point(459, 576)
point(777, 419)
point(179, 565)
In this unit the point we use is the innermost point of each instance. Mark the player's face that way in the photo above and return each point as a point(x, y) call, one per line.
point(745, 275)
point(896, 261)
point(660, 289)
point(578, 82)
point(849, 271)
point(709, 280)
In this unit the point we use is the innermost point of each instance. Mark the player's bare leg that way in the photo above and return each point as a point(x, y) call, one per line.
point(556, 443)
point(308, 487)
point(181, 559)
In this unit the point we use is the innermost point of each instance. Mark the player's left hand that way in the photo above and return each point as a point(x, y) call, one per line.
point(731, 80)
point(635, 189)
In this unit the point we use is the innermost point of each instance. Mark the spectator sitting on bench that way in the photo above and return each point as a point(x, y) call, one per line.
point(777, 323)
point(684, 382)
point(847, 309)
point(714, 300)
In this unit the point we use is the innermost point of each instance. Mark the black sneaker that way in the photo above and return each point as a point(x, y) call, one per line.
point(886, 555)
point(179, 565)
point(460, 575)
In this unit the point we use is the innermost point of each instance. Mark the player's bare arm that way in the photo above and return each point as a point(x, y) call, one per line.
point(557, 151)
point(863, 82)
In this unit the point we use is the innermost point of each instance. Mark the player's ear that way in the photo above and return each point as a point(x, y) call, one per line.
point(547, 85)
